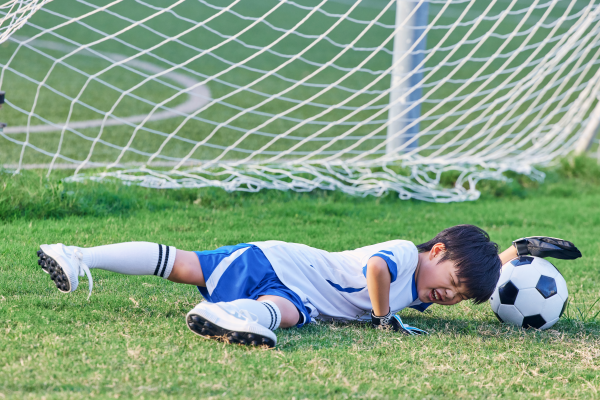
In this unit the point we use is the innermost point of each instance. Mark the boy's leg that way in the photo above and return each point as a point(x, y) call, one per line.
point(187, 270)
point(289, 313)
point(137, 258)
point(66, 263)
point(244, 321)
point(132, 258)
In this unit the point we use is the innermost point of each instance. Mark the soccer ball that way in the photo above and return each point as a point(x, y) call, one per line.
point(530, 293)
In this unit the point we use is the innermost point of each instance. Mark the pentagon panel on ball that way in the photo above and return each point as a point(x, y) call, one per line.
point(508, 293)
point(531, 293)
point(533, 321)
point(546, 286)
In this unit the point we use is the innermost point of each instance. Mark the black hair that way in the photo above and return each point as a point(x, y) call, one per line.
point(475, 256)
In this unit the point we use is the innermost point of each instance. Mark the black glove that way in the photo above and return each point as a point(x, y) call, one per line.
point(541, 246)
point(394, 322)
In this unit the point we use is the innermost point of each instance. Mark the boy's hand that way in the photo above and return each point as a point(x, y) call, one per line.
point(394, 322)
point(542, 246)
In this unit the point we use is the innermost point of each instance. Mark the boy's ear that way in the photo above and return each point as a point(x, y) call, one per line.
point(437, 249)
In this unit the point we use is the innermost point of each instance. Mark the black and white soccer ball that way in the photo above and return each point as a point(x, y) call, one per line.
point(531, 293)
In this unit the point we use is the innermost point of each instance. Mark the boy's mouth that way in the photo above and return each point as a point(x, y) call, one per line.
point(434, 295)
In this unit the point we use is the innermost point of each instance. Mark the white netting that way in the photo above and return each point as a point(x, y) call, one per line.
point(362, 96)
point(14, 13)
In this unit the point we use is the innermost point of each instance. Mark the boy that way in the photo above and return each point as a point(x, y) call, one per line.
point(253, 289)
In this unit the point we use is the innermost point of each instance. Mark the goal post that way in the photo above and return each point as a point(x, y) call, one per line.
point(406, 76)
point(362, 96)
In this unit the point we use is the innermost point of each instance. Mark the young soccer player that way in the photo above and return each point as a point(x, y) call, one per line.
point(252, 289)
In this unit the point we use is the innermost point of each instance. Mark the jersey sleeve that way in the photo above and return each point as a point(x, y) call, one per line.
point(399, 255)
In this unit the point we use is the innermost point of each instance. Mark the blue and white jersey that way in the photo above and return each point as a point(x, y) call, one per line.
point(334, 284)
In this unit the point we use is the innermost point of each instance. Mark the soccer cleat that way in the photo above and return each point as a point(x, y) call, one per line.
point(64, 264)
point(227, 322)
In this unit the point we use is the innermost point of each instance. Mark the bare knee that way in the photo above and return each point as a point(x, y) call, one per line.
point(187, 269)
point(289, 312)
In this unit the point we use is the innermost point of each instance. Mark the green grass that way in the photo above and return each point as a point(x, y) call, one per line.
point(130, 339)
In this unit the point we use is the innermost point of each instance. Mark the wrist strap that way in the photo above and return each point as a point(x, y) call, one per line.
point(381, 321)
point(521, 246)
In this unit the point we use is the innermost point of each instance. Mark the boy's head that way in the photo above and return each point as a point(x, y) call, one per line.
point(459, 263)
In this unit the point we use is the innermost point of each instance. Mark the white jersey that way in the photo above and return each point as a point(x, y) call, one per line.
point(334, 285)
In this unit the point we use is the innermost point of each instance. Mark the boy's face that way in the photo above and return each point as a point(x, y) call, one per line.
point(437, 282)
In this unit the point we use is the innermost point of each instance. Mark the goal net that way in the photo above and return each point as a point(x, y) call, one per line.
point(362, 96)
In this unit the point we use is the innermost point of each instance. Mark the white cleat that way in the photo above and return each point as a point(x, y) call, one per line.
point(64, 264)
point(230, 323)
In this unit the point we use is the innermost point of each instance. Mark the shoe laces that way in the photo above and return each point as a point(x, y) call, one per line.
point(247, 315)
point(82, 268)
point(238, 312)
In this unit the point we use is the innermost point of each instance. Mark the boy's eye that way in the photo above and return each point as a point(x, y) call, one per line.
point(462, 296)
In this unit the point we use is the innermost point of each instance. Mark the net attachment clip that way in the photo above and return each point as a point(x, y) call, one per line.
point(2, 125)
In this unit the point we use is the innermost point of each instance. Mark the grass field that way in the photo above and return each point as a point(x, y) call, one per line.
point(130, 340)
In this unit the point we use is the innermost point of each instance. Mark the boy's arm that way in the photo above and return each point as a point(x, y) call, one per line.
point(508, 254)
point(379, 280)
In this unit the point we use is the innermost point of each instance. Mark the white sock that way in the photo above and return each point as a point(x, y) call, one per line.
point(132, 258)
point(267, 312)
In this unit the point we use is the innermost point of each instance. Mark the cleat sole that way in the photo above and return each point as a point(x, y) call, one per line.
point(51, 267)
point(208, 330)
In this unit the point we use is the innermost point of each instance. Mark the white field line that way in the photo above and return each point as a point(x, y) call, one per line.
point(90, 165)
point(197, 97)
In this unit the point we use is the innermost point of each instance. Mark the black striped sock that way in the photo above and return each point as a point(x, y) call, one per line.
point(132, 258)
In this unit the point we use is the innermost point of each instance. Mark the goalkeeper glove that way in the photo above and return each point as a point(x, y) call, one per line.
point(395, 323)
point(541, 246)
